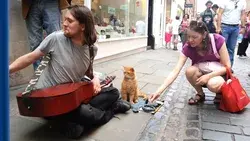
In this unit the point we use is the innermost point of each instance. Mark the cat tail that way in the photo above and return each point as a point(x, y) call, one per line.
point(143, 95)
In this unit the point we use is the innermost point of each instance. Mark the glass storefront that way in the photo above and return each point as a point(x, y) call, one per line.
point(119, 18)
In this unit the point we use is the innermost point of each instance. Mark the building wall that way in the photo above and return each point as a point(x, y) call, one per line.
point(191, 11)
point(18, 44)
point(248, 5)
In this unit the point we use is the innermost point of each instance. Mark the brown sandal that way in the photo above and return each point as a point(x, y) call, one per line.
point(199, 98)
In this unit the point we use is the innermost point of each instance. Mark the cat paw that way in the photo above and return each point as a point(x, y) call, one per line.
point(132, 102)
point(135, 101)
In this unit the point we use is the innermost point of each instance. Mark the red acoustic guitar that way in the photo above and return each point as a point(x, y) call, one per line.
point(55, 100)
point(58, 99)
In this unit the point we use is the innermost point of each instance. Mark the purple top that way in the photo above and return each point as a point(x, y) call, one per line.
point(191, 53)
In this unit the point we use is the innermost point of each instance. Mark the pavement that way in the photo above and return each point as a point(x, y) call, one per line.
point(175, 121)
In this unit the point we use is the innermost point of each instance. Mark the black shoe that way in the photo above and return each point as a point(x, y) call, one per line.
point(121, 106)
point(72, 130)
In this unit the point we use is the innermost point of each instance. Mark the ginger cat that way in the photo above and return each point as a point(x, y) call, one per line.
point(129, 90)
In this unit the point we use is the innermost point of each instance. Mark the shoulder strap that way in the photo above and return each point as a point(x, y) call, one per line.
point(45, 61)
point(89, 71)
point(214, 46)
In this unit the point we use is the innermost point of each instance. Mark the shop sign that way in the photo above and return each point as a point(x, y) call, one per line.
point(124, 7)
point(111, 10)
point(188, 5)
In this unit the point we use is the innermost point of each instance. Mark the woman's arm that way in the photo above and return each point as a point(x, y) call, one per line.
point(170, 79)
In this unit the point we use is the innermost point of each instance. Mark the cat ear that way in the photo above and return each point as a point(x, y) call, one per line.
point(132, 69)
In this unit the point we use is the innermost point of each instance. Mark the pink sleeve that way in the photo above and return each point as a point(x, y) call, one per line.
point(185, 50)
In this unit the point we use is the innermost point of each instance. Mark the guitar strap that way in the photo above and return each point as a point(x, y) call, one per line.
point(45, 62)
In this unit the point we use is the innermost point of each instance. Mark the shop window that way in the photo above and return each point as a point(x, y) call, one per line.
point(119, 18)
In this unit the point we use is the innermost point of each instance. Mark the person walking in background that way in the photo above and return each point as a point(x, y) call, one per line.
point(230, 13)
point(246, 39)
point(175, 31)
point(208, 17)
point(42, 15)
point(168, 33)
point(183, 28)
point(215, 8)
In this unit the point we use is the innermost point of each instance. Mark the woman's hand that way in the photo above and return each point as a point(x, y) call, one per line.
point(97, 85)
point(202, 80)
point(153, 97)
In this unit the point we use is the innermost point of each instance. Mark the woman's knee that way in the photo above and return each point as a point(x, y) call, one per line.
point(191, 71)
point(214, 84)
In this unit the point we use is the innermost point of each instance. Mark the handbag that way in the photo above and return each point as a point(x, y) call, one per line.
point(234, 97)
point(207, 67)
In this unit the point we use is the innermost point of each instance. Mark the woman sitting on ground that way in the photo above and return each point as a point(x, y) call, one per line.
point(209, 55)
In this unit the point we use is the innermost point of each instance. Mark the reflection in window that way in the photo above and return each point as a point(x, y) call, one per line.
point(120, 18)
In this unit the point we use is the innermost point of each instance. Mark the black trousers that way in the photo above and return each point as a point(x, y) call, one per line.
point(243, 47)
point(97, 112)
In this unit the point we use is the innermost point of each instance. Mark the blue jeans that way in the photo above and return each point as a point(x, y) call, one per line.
point(44, 15)
point(230, 33)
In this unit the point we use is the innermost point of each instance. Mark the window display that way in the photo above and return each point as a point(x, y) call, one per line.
point(120, 18)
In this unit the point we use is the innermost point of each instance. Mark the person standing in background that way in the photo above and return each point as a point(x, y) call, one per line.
point(183, 29)
point(230, 14)
point(168, 33)
point(42, 15)
point(208, 17)
point(215, 8)
point(245, 41)
point(175, 31)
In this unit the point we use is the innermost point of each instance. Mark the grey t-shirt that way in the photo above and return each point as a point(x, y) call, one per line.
point(68, 62)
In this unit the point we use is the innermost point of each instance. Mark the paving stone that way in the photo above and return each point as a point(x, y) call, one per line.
point(246, 131)
point(241, 122)
point(170, 93)
point(166, 104)
point(214, 112)
point(176, 111)
point(148, 63)
point(179, 105)
point(191, 140)
point(221, 127)
point(241, 138)
point(162, 73)
point(193, 117)
point(161, 66)
point(149, 88)
point(193, 124)
point(216, 119)
point(152, 79)
point(174, 121)
point(218, 136)
point(167, 98)
point(181, 100)
point(145, 70)
point(192, 133)
point(192, 109)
